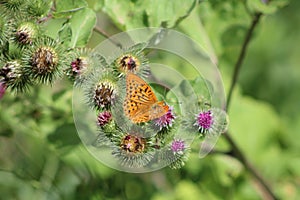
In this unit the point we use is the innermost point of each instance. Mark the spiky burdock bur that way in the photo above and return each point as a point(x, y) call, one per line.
point(206, 122)
point(101, 90)
point(12, 75)
point(12, 6)
point(106, 129)
point(25, 32)
point(106, 123)
point(132, 60)
point(38, 8)
point(180, 150)
point(175, 153)
point(5, 27)
point(44, 60)
point(132, 149)
point(212, 121)
point(84, 62)
point(104, 118)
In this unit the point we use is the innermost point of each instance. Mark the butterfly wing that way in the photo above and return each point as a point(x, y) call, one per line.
point(158, 109)
point(140, 102)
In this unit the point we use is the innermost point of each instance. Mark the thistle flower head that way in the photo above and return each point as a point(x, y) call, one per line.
point(77, 67)
point(177, 146)
point(44, 59)
point(177, 153)
point(128, 62)
point(104, 118)
point(101, 91)
point(204, 121)
point(166, 120)
point(133, 150)
point(26, 32)
point(132, 60)
point(103, 95)
point(80, 66)
point(211, 121)
point(132, 143)
point(12, 75)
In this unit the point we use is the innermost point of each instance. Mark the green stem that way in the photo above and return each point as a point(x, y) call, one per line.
point(180, 19)
point(241, 57)
point(262, 185)
point(104, 34)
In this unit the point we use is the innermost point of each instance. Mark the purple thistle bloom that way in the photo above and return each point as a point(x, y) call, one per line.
point(204, 120)
point(78, 65)
point(104, 118)
point(166, 120)
point(177, 146)
point(2, 89)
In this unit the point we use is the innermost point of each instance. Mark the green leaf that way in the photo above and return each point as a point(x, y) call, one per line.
point(167, 11)
point(254, 125)
point(82, 23)
point(65, 34)
point(67, 7)
point(129, 14)
point(218, 18)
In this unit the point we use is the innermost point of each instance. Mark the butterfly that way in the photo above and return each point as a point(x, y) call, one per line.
point(141, 104)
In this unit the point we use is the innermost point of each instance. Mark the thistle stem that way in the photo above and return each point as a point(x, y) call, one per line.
point(104, 34)
point(236, 152)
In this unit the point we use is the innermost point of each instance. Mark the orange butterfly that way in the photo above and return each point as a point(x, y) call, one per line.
point(141, 104)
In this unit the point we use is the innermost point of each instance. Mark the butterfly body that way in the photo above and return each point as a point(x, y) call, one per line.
point(141, 104)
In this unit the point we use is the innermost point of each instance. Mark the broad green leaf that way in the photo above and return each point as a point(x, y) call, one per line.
point(125, 14)
point(254, 125)
point(53, 26)
point(82, 23)
point(167, 11)
point(67, 7)
point(137, 14)
point(65, 34)
point(220, 16)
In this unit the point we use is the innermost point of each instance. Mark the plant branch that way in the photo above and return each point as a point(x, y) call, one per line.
point(262, 185)
point(186, 15)
point(104, 34)
point(236, 152)
point(241, 57)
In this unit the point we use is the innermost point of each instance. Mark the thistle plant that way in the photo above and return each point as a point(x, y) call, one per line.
point(144, 142)
point(30, 57)
point(161, 132)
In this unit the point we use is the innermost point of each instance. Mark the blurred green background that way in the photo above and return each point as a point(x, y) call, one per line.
point(41, 156)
